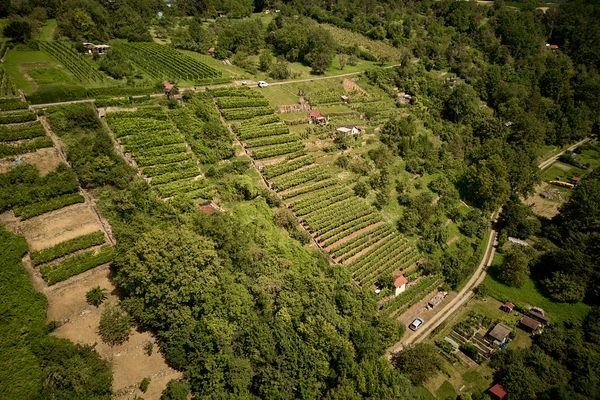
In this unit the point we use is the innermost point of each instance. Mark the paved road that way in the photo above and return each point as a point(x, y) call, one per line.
point(467, 292)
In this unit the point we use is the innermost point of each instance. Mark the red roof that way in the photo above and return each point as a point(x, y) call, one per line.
point(509, 306)
point(315, 114)
point(168, 86)
point(207, 209)
point(554, 46)
point(400, 280)
point(498, 391)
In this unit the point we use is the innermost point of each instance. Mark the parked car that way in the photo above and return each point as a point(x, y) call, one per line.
point(416, 324)
point(262, 84)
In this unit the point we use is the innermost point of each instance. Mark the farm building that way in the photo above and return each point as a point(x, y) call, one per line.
point(211, 51)
point(529, 324)
point(344, 99)
point(317, 118)
point(400, 284)
point(348, 130)
point(171, 90)
point(499, 333)
point(538, 315)
point(507, 307)
point(517, 241)
point(498, 392)
point(92, 48)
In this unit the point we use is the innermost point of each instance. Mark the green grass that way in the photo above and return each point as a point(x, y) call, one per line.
point(280, 94)
point(423, 393)
point(446, 391)
point(21, 59)
point(47, 31)
point(530, 295)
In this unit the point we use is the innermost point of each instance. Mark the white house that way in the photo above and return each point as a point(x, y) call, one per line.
point(348, 130)
point(400, 284)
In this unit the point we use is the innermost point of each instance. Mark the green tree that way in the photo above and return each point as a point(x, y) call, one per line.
point(19, 30)
point(515, 268)
point(115, 325)
point(418, 362)
point(463, 104)
point(176, 390)
point(265, 60)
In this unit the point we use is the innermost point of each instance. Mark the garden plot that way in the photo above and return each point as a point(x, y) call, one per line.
point(159, 150)
point(346, 226)
point(58, 226)
point(45, 160)
point(79, 321)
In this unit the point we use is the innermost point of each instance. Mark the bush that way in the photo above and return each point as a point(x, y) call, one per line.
point(144, 384)
point(115, 325)
point(76, 265)
point(96, 296)
point(176, 390)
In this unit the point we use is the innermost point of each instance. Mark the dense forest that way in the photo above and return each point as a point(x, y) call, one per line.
point(247, 312)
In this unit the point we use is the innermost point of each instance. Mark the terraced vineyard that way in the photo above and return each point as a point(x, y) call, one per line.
point(159, 150)
point(164, 62)
point(62, 232)
point(344, 225)
point(7, 88)
point(81, 68)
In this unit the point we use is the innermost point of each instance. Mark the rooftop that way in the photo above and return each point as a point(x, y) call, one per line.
point(400, 280)
point(498, 391)
point(500, 332)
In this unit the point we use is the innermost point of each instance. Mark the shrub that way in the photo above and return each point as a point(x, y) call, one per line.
point(115, 325)
point(96, 296)
point(68, 247)
point(144, 384)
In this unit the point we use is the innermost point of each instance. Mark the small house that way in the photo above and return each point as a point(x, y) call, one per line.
point(497, 392)
point(507, 307)
point(345, 99)
point(575, 180)
point(317, 118)
point(400, 284)
point(404, 98)
point(538, 315)
point(499, 333)
point(211, 51)
point(518, 241)
point(529, 324)
point(92, 48)
point(171, 90)
point(552, 46)
point(348, 130)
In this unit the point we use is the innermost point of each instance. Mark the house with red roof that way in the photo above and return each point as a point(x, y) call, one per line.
point(400, 284)
point(498, 392)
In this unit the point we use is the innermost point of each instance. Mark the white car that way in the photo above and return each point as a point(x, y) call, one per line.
point(262, 84)
point(416, 324)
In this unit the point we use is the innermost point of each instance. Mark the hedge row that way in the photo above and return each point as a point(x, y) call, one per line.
point(76, 265)
point(56, 203)
point(68, 247)
point(30, 146)
point(17, 117)
point(19, 132)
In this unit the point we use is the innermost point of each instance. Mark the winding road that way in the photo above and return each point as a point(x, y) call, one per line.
point(476, 279)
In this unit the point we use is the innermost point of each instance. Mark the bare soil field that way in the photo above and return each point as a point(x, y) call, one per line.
point(45, 160)
point(541, 206)
point(55, 227)
point(79, 323)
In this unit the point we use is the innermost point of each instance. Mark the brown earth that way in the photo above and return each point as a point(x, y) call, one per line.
point(351, 86)
point(52, 228)
point(544, 207)
point(79, 323)
point(45, 160)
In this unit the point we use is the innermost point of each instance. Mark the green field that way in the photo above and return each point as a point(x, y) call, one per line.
point(529, 295)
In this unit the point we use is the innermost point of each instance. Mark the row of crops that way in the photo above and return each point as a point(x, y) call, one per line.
point(21, 138)
point(347, 227)
point(164, 62)
point(7, 88)
point(160, 151)
point(79, 66)
point(31, 196)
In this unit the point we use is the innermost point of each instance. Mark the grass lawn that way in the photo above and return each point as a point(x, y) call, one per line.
point(47, 31)
point(529, 295)
point(280, 95)
point(21, 59)
point(446, 392)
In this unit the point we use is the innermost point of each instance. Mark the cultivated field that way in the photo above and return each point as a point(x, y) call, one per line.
point(349, 229)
